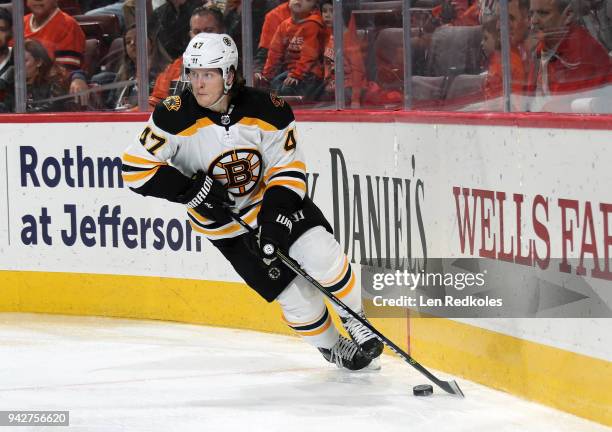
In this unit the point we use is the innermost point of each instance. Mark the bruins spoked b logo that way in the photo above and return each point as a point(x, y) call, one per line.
point(239, 170)
point(172, 103)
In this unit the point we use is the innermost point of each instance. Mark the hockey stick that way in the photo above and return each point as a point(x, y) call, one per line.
point(448, 386)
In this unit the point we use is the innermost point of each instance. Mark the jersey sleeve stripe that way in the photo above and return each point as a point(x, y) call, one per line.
point(130, 168)
point(294, 166)
point(140, 161)
point(133, 177)
point(230, 228)
point(292, 184)
point(195, 215)
point(292, 174)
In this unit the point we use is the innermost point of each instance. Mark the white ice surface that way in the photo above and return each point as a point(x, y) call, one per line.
point(127, 375)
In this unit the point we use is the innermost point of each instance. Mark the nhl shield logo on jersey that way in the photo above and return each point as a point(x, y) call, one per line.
point(239, 170)
point(172, 103)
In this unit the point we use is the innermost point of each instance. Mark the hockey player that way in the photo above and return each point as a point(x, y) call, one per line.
point(221, 146)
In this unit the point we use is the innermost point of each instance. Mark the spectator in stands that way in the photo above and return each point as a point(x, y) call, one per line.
point(455, 11)
point(63, 38)
point(171, 22)
point(464, 13)
point(6, 35)
point(46, 82)
point(294, 64)
point(272, 22)
point(57, 31)
point(597, 19)
point(493, 86)
point(354, 68)
point(129, 12)
point(88, 5)
point(203, 20)
point(567, 61)
point(518, 21)
point(110, 8)
point(6, 57)
point(233, 21)
point(327, 13)
point(126, 97)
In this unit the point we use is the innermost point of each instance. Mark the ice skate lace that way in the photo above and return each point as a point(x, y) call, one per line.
point(344, 349)
point(358, 331)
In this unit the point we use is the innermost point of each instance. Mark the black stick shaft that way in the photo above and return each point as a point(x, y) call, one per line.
point(449, 387)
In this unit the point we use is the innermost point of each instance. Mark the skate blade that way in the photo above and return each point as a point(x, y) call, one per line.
point(374, 365)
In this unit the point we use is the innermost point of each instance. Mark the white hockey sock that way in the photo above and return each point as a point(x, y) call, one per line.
point(305, 312)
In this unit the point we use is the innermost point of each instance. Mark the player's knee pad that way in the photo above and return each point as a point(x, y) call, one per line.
point(318, 253)
point(300, 302)
point(322, 257)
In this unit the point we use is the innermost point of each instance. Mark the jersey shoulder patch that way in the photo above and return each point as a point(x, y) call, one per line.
point(172, 103)
point(175, 114)
point(276, 101)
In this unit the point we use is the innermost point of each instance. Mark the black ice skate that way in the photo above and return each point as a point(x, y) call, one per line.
point(346, 354)
point(371, 346)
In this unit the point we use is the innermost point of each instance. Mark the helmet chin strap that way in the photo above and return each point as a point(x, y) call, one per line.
point(211, 106)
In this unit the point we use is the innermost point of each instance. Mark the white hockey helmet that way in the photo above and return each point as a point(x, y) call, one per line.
point(212, 50)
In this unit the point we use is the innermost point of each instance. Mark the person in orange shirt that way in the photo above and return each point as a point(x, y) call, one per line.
point(62, 37)
point(354, 68)
point(272, 21)
point(203, 20)
point(493, 86)
point(294, 64)
point(59, 33)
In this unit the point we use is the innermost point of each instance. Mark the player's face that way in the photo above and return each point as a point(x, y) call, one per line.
point(5, 35)
point(207, 85)
point(203, 24)
point(547, 21)
point(327, 12)
point(302, 6)
point(42, 8)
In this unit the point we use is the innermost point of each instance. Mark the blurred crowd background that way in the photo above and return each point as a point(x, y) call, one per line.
point(445, 55)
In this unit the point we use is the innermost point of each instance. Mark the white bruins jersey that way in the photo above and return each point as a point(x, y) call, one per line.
point(251, 148)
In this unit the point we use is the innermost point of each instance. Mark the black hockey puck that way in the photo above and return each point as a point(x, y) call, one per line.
point(422, 390)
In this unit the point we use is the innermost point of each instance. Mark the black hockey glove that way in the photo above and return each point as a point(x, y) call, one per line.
point(207, 197)
point(274, 231)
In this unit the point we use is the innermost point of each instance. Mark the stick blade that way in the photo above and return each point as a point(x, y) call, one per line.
point(451, 387)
